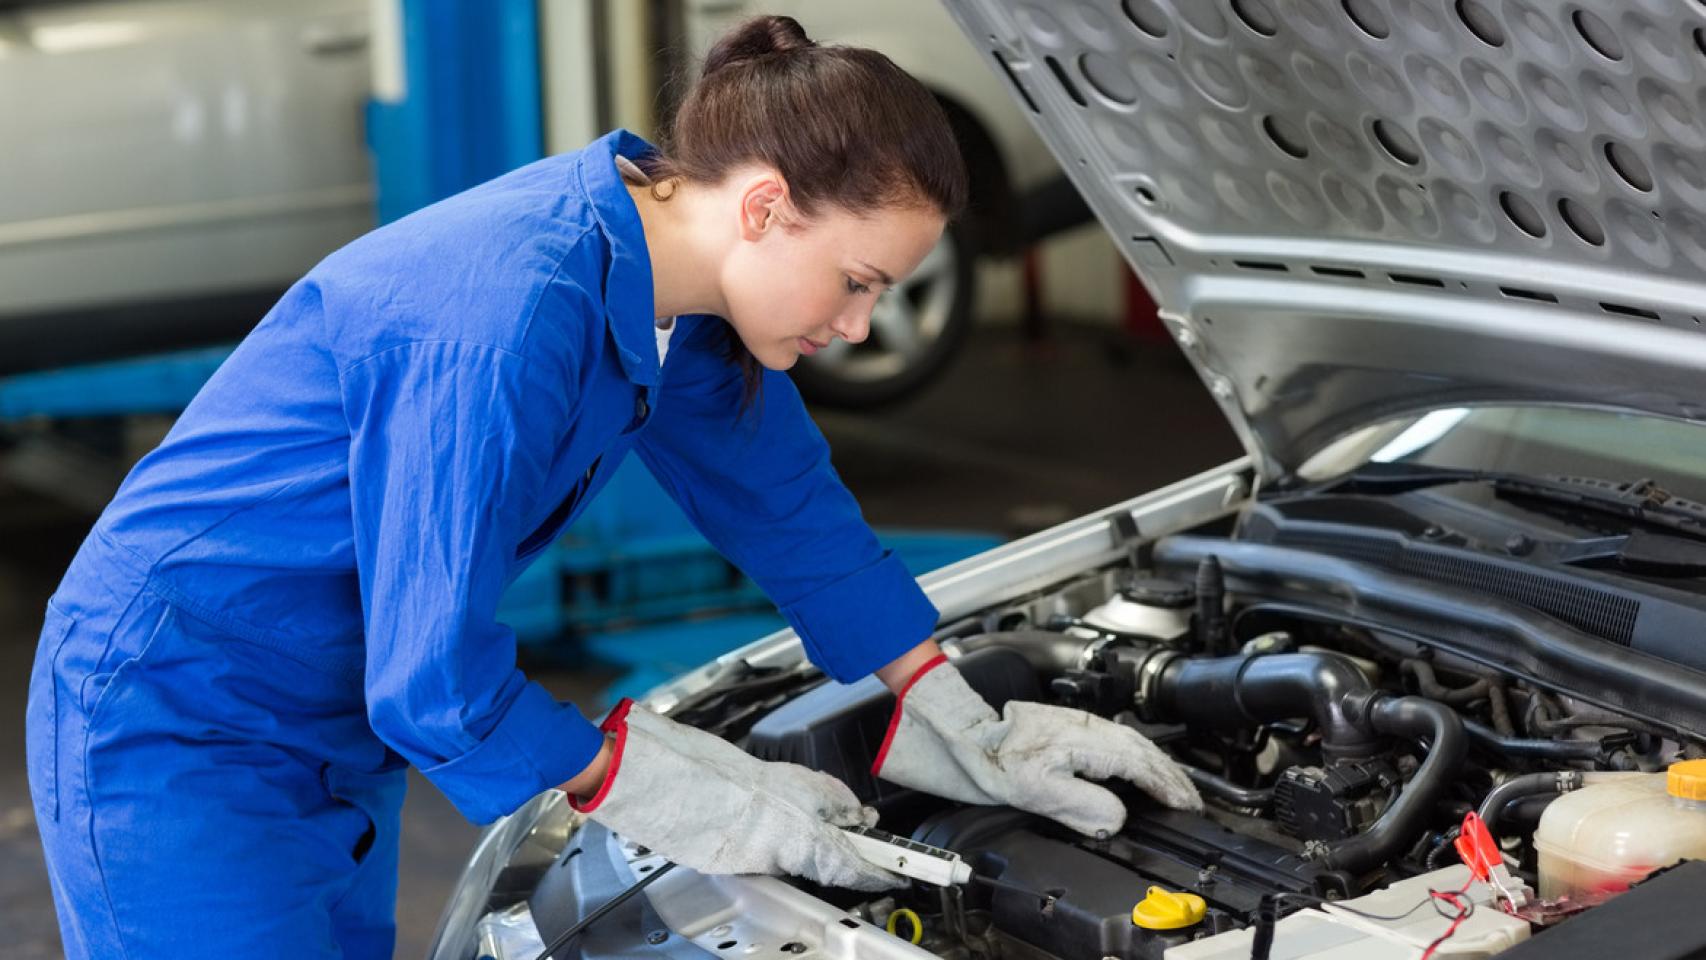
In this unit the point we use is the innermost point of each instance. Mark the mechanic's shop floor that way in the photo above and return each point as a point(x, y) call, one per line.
point(1015, 437)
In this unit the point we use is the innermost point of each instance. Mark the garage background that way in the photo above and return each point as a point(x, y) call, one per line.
point(174, 164)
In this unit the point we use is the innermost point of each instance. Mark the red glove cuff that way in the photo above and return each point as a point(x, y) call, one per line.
point(894, 720)
point(616, 722)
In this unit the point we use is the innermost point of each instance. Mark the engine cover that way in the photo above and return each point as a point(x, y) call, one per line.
point(838, 728)
point(1072, 896)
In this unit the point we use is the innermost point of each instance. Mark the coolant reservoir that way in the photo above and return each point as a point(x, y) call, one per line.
point(1598, 840)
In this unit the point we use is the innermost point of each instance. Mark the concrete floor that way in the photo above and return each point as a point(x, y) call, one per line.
point(1017, 436)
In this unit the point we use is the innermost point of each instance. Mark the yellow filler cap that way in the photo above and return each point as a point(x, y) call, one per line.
point(1687, 780)
point(1166, 910)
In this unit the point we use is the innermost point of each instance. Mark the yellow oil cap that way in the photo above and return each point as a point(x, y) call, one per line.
point(1687, 780)
point(1166, 910)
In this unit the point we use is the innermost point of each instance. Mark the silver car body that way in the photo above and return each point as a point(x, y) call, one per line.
point(1313, 315)
point(1352, 213)
point(173, 149)
point(1353, 210)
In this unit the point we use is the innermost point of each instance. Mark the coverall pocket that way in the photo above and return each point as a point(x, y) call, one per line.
point(345, 789)
point(96, 686)
point(41, 715)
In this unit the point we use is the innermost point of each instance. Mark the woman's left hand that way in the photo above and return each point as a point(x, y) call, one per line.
point(946, 740)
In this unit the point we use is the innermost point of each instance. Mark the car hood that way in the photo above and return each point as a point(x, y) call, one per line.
point(1350, 210)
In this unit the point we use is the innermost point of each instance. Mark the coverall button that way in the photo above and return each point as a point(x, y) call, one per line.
point(641, 408)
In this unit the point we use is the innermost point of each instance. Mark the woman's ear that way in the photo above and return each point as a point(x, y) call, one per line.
point(764, 205)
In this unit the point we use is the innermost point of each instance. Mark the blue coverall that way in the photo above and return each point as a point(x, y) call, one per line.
point(294, 596)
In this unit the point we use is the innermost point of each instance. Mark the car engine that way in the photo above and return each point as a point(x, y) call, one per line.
point(1341, 710)
point(1336, 757)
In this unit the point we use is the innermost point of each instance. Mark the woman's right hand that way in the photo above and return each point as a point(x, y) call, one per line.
point(586, 783)
point(704, 803)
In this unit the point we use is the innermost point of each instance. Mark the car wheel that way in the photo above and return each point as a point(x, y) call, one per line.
point(915, 330)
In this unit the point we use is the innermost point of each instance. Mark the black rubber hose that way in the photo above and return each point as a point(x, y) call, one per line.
point(1528, 785)
point(1211, 608)
point(1216, 785)
point(1527, 811)
point(1589, 718)
point(1231, 693)
point(1412, 718)
point(1499, 705)
point(1351, 715)
point(1428, 685)
point(1496, 632)
point(1559, 750)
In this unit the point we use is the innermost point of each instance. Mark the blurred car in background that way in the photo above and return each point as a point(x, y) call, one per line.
point(172, 166)
point(175, 164)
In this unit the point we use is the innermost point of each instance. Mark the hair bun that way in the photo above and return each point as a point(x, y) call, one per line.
point(757, 37)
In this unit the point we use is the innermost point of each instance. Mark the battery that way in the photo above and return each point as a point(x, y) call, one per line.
point(1332, 932)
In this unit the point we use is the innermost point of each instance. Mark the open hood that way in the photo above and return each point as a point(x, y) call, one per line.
point(1350, 210)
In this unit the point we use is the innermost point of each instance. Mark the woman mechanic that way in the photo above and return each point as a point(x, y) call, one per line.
point(294, 596)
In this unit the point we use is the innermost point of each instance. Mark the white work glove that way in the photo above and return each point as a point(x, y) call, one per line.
point(944, 739)
point(706, 804)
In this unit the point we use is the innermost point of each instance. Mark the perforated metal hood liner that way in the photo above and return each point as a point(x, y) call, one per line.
point(1350, 209)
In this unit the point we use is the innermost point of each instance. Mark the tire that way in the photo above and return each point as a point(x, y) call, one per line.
point(915, 331)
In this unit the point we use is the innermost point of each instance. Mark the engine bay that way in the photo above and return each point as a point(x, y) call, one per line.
point(1337, 755)
point(1349, 686)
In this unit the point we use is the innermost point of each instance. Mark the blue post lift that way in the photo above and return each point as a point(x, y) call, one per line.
point(469, 108)
point(632, 582)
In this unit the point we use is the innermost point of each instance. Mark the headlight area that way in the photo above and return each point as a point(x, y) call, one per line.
point(488, 914)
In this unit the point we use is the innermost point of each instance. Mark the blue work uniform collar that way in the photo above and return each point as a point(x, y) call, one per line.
point(628, 280)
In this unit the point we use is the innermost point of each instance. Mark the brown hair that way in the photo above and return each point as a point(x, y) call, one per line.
point(844, 126)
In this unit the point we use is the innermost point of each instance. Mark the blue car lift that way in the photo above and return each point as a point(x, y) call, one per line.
point(631, 583)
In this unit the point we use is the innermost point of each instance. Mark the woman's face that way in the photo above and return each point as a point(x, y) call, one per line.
point(793, 285)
